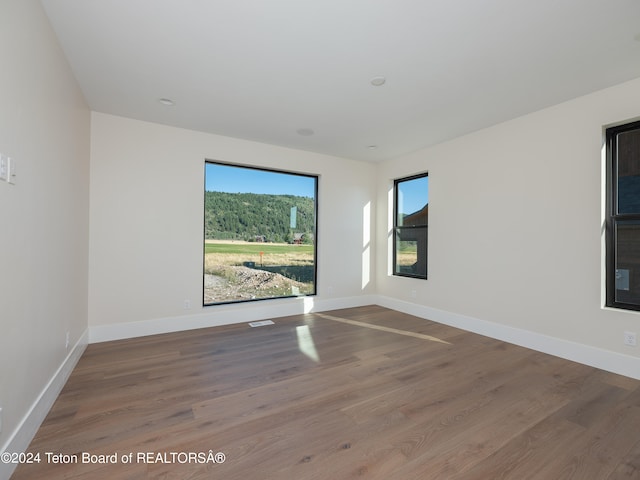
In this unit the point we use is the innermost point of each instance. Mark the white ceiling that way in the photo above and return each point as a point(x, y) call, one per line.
point(264, 69)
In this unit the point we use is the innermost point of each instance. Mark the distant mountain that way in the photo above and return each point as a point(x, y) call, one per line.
point(247, 216)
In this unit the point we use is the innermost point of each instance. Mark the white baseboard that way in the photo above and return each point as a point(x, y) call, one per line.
point(217, 315)
point(588, 355)
point(21, 437)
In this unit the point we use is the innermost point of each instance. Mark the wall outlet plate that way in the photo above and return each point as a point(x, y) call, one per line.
point(630, 339)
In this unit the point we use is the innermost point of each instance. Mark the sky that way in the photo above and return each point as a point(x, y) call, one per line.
point(231, 179)
point(414, 195)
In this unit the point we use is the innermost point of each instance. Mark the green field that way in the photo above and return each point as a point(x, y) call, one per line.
point(256, 248)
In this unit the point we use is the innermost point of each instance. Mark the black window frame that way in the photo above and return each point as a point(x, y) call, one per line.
point(613, 218)
point(316, 179)
point(398, 230)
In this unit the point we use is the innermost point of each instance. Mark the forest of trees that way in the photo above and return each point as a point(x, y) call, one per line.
point(244, 216)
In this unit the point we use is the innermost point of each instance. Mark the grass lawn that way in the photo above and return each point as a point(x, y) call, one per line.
point(256, 248)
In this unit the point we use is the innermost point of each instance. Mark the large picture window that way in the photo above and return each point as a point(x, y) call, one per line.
point(260, 234)
point(623, 216)
point(411, 221)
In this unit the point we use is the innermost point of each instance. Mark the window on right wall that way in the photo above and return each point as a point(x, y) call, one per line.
point(410, 225)
point(623, 216)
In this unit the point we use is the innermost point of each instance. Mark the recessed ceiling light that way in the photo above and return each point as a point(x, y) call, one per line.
point(372, 147)
point(305, 132)
point(378, 81)
point(166, 102)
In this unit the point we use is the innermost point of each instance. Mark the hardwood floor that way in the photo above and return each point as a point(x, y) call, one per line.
point(325, 396)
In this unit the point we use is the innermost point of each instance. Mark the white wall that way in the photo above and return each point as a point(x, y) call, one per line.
point(44, 125)
point(147, 227)
point(515, 223)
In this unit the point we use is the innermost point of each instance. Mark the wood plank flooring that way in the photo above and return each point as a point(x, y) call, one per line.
point(326, 397)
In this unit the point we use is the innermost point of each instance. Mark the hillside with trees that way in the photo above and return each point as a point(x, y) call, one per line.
point(246, 216)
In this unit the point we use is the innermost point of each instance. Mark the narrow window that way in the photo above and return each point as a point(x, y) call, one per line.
point(623, 216)
point(259, 234)
point(411, 220)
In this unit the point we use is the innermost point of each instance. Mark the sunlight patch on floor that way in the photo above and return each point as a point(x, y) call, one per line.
point(384, 329)
point(306, 344)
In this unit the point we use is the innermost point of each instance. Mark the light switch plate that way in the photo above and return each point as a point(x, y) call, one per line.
point(4, 167)
point(11, 171)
